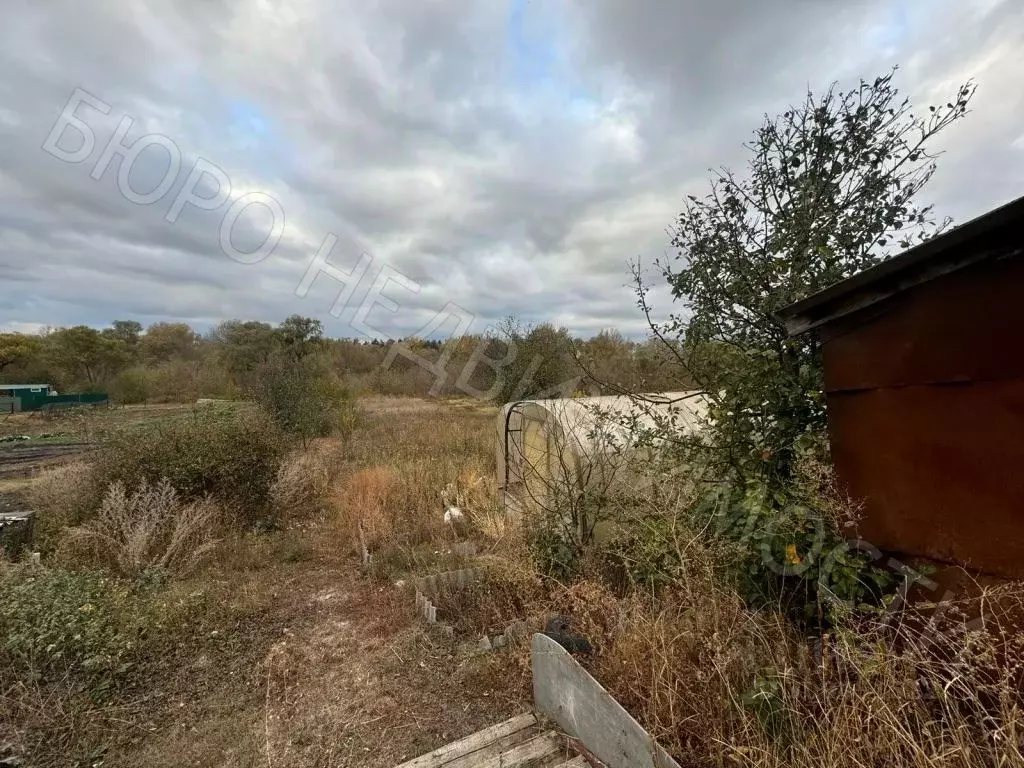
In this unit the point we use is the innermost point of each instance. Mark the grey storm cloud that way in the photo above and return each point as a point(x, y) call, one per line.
point(508, 158)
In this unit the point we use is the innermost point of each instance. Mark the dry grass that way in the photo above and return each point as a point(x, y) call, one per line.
point(303, 483)
point(297, 660)
point(504, 595)
point(363, 507)
point(720, 684)
point(58, 491)
point(149, 527)
point(410, 460)
point(63, 496)
point(286, 650)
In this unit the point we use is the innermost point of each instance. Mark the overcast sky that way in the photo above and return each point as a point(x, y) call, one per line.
point(501, 156)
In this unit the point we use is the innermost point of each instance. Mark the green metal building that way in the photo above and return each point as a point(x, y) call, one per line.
point(42, 397)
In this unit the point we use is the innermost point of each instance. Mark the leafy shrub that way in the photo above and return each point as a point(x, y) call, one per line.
point(150, 529)
point(304, 399)
point(794, 551)
point(230, 454)
point(131, 386)
point(54, 622)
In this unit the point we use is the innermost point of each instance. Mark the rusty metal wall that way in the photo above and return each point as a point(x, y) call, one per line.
point(941, 470)
point(963, 327)
point(926, 418)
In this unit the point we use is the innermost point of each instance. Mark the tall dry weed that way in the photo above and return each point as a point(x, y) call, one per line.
point(412, 463)
point(303, 482)
point(150, 527)
point(363, 504)
point(718, 683)
point(62, 496)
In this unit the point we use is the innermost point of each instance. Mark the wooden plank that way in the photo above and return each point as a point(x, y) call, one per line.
point(529, 753)
point(444, 755)
point(492, 750)
point(577, 762)
point(565, 692)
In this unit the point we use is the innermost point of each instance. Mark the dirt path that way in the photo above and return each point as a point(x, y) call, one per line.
point(329, 670)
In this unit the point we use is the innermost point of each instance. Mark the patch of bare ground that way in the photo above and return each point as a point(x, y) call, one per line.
point(79, 423)
point(310, 664)
point(57, 437)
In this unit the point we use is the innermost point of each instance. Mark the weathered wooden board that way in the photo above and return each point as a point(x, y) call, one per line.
point(565, 692)
point(530, 753)
point(492, 750)
point(449, 752)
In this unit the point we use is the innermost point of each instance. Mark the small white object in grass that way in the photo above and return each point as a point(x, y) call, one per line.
point(453, 514)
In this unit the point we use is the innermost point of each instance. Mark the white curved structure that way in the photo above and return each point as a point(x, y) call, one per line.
point(548, 448)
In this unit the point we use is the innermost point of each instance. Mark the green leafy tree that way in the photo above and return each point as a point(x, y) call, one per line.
point(168, 341)
point(300, 336)
point(126, 331)
point(85, 355)
point(245, 345)
point(831, 186)
point(17, 347)
point(305, 399)
point(540, 361)
point(831, 189)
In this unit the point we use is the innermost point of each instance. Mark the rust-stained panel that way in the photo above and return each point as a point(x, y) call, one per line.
point(924, 375)
point(940, 470)
point(967, 326)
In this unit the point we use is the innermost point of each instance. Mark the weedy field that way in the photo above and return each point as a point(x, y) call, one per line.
point(279, 648)
point(204, 598)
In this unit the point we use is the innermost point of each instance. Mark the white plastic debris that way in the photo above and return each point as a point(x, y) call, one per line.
point(453, 515)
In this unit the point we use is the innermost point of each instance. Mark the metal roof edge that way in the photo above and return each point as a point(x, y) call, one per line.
point(913, 267)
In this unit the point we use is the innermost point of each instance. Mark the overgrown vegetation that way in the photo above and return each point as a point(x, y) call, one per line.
point(831, 189)
point(683, 561)
point(405, 468)
point(719, 683)
point(155, 504)
point(147, 531)
point(56, 623)
point(226, 453)
point(689, 594)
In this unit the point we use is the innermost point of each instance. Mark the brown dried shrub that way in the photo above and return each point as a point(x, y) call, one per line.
point(148, 528)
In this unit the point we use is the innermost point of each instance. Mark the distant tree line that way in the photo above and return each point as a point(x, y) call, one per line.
point(171, 361)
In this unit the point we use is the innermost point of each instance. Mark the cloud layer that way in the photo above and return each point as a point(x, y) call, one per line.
point(503, 158)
